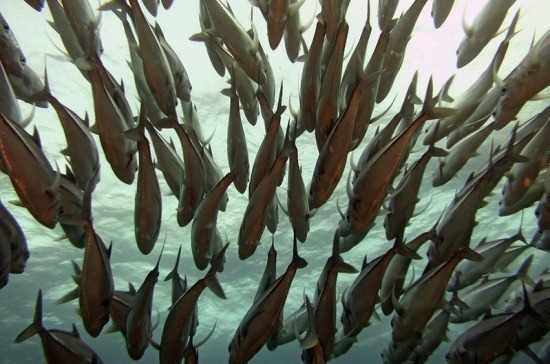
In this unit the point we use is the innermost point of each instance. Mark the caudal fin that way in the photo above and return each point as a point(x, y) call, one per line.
point(36, 325)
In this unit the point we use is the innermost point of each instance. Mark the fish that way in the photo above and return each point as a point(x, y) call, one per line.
point(324, 306)
point(278, 12)
point(204, 223)
point(420, 301)
point(73, 49)
point(151, 6)
point(138, 320)
point(297, 201)
point(31, 174)
point(490, 337)
point(72, 199)
point(333, 13)
point(397, 45)
point(96, 281)
point(481, 31)
point(530, 196)
point(85, 25)
point(393, 281)
point(386, 10)
point(255, 215)
point(362, 210)
point(359, 299)
point(237, 151)
point(180, 76)
point(522, 175)
point(328, 102)
point(179, 285)
point(459, 155)
point(238, 42)
point(260, 320)
point(58, 345)
point(354, 68)
point(525, 81)
point(158, 73)
point(81, 146)
point(482, 297)
point(468, 272)
point(24, 81)
point(5, 259)
point(14, 243)
point(194, 183)
point(148, 200)
point(8, 104)
point(293, 33)
point(403, 200)
point(206, 25)
point(440, 11)
point(310, 83)
point(36, 4)
point(332, 158)
point(110, 124)
point(179, 322)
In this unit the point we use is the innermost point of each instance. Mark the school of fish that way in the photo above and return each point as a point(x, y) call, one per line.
point(423, 283)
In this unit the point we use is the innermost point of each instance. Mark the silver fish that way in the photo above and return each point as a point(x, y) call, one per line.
point(13, 240)
point(359, 299)
point(260, 320)
point(179, 322)
point(397, 45)
point(24, 81)
point(238, 42)
point(58, 345)
point(440, 11)
point(85, 25)
point(481, 31)
point(34, 180)
point(205, 221)
point(139, 331)
point(237, 152)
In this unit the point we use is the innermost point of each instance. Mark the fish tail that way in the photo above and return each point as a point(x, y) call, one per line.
point(36, 325)
point(523, 271)
point(174, 273)
point(211, 280)
point(405, 251)
point(429, 109)
point(299, 261)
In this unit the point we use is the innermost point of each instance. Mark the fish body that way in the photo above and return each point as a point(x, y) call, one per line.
point(34, 180)
point(155, 65)
point(457, 157)
point(14, 243)
point(237, 152)
point(204, 224)
point(238, 42)
point(85, 25)
point(110, 124)
point(440, 11)
point(255, 215)
point(9, 106)
point(96, 283)
point(420, 301)
point(24, 81)
point(310, 83)
point(138, 330)
point(359, 300)
point(397, 45)
point(59, 346)
point(261, 319)
point(386, 10)
point(482, 30)
point(324, 308)
point(179, 322)
point(148, 200)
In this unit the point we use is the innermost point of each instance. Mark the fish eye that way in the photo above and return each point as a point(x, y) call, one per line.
point(504, 89)
point(23, 60)
point(27, 255)
point(6, 27)
point(447, 356)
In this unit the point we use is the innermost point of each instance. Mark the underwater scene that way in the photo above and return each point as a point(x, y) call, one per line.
point(350, 181)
